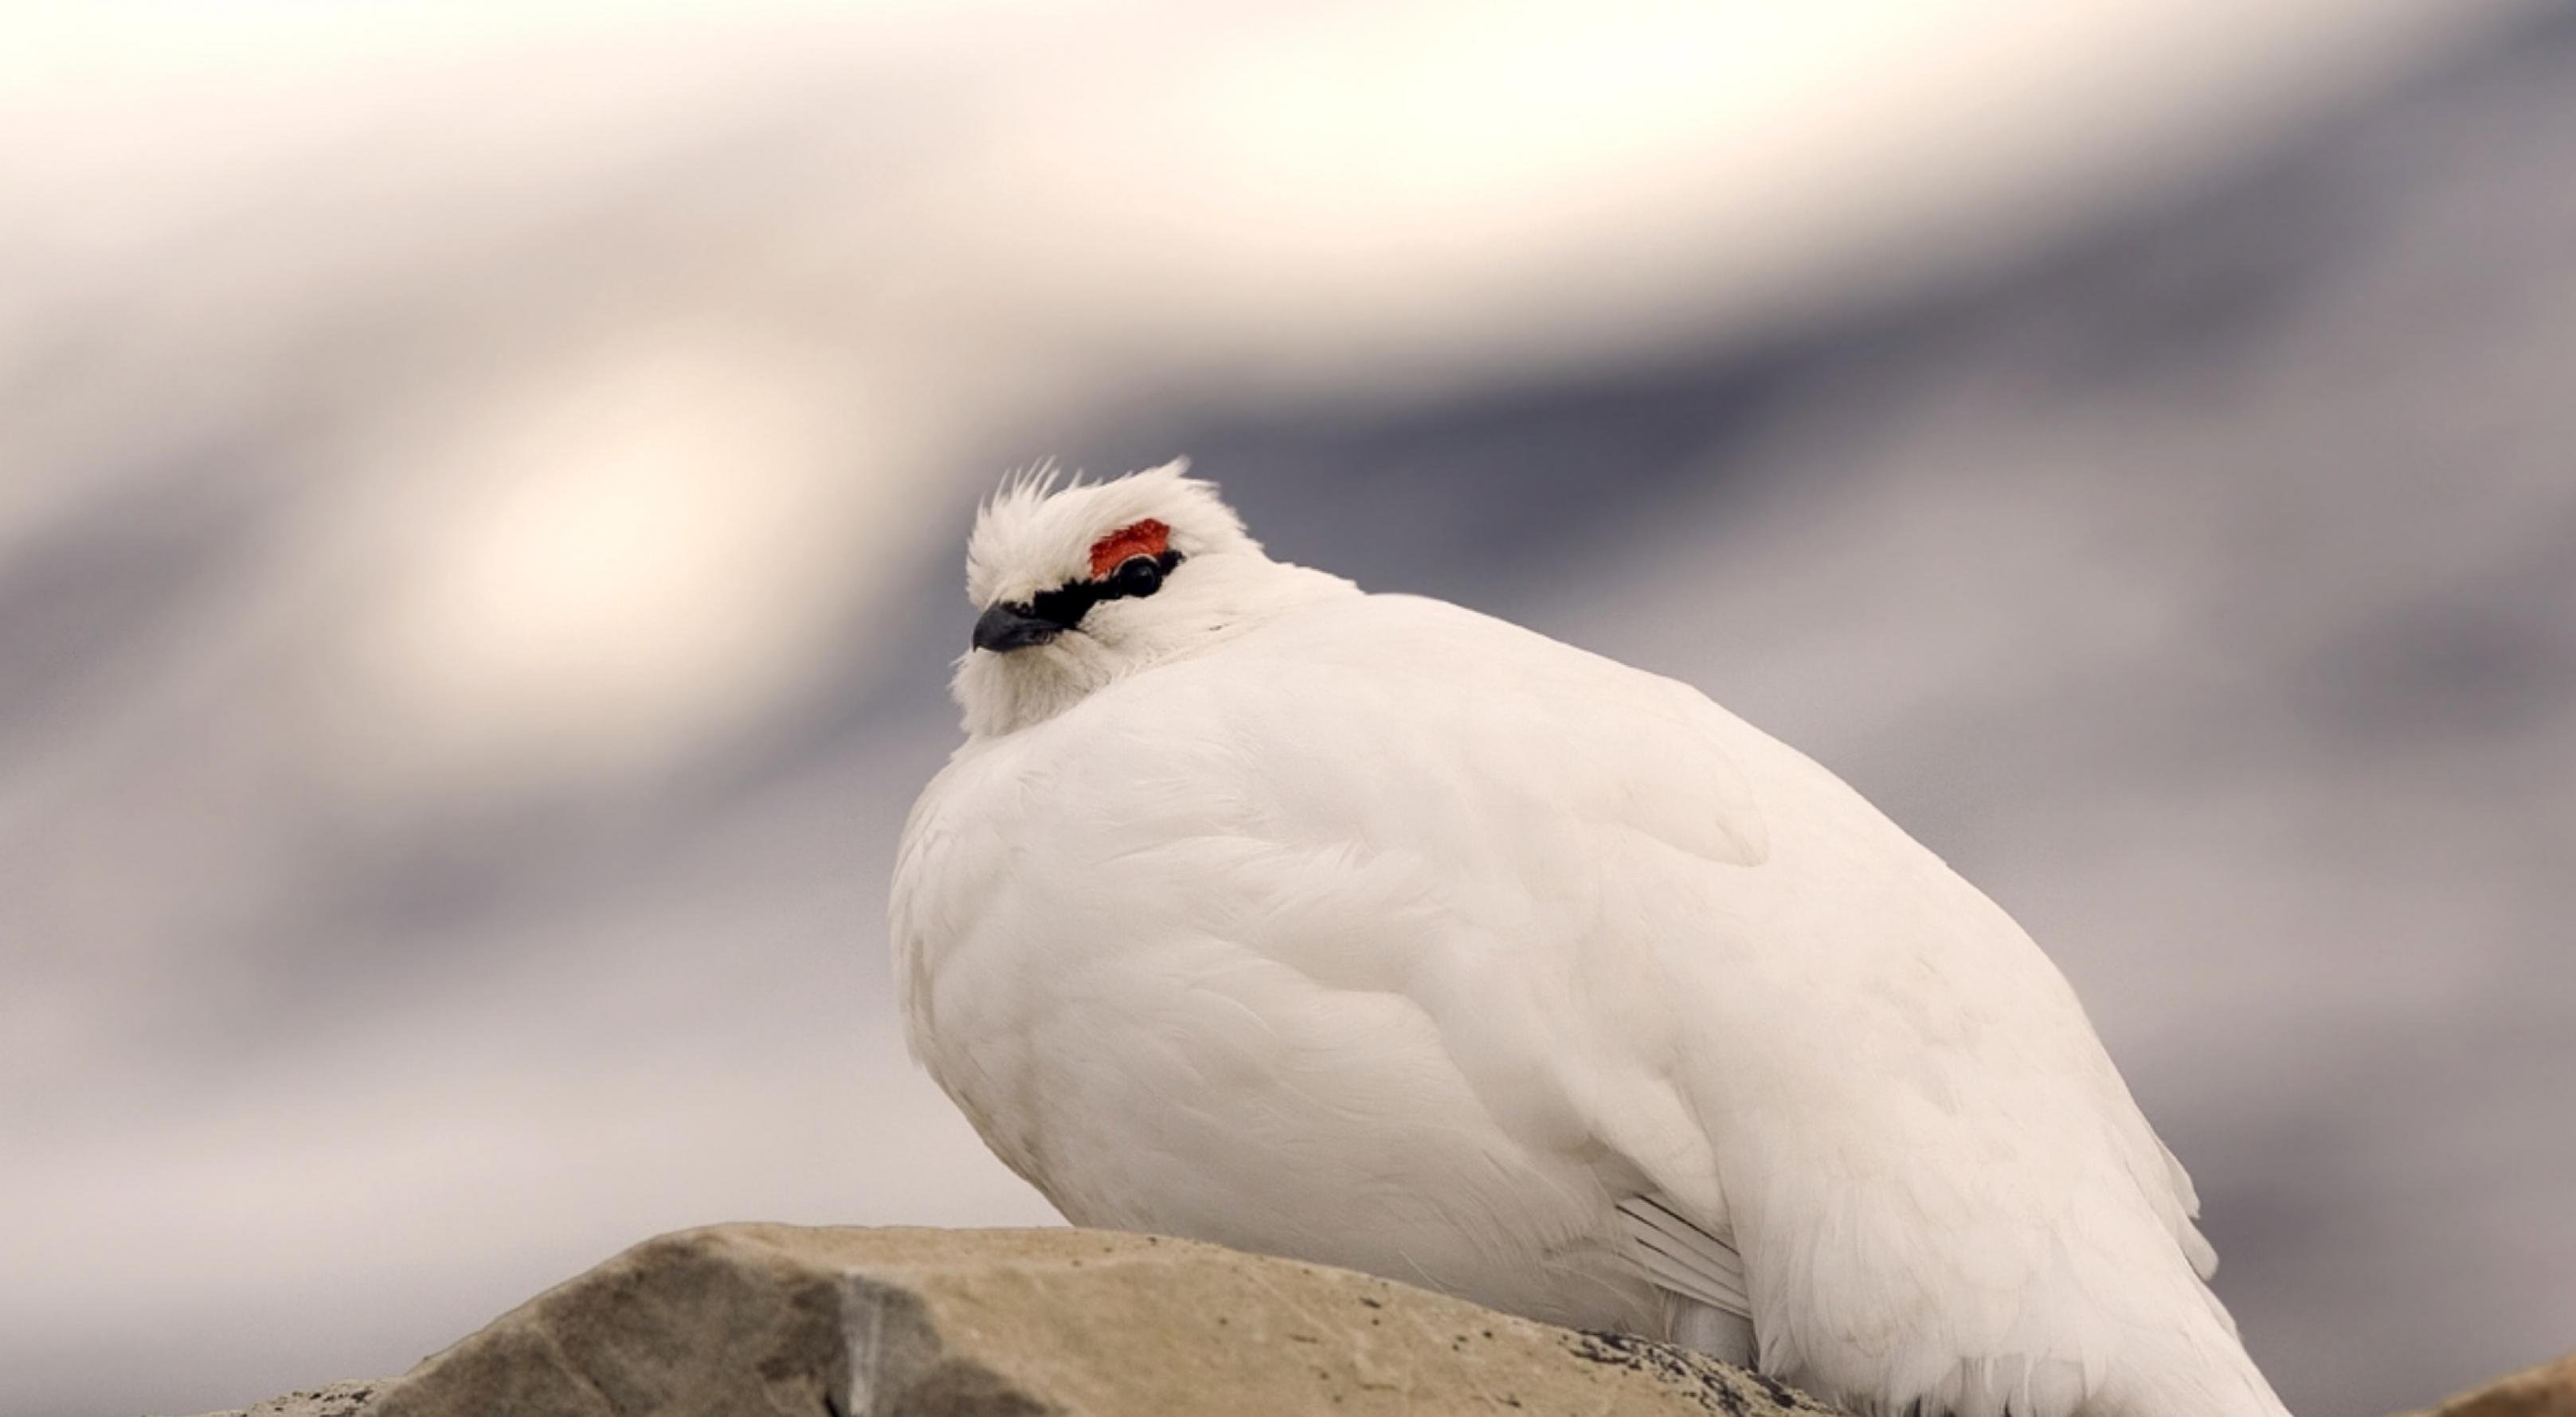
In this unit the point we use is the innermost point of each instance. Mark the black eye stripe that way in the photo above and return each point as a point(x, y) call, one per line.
point(1068, 603)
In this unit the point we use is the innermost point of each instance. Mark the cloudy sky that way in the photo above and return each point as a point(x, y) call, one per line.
point(481, 502)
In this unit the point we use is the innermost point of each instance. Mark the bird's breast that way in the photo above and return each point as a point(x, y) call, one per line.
point(1126, 1032)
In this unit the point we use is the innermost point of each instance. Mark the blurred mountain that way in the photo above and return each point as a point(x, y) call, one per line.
point(2203, 583)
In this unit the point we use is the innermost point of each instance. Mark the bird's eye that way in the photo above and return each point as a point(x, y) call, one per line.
point(1137, 575)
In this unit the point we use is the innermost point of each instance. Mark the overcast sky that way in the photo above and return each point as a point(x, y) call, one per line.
point(481, 507)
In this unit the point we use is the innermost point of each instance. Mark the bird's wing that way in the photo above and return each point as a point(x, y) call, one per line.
point(1685, 1259)
point(1644, 928)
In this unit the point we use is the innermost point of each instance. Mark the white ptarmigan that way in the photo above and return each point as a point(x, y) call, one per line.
point(1372, 931)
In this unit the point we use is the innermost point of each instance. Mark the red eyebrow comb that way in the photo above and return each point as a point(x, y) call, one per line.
point(1145, 538)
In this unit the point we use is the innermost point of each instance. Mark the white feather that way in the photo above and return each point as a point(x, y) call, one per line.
point(1372, 931)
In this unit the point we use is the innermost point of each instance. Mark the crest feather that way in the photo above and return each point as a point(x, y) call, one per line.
point(1037, 530)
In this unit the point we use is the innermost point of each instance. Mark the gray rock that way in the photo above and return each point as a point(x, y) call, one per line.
point(763, 1320)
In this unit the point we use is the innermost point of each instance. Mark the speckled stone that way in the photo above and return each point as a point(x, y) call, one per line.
point(337, 1400)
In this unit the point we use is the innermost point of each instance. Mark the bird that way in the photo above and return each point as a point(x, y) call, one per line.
point(1372, 931)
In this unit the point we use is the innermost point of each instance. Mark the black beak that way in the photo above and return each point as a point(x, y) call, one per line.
point(1004, 628)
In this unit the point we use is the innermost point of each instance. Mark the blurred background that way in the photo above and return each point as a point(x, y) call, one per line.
point(481, 501)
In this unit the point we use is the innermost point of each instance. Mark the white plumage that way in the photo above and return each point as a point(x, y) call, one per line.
point(1373, 931)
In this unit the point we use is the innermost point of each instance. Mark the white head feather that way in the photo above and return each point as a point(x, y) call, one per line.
point(1036, 535)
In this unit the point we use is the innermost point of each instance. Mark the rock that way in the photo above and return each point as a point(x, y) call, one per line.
point(2546, 1391)
point(769, 1320)
point(337, 1400)
point(763, 1320)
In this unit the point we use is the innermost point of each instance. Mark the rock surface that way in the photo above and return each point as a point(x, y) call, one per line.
point(337, 1400)
point(764, 1320)
point(2545, 1391)
point(769, 1320)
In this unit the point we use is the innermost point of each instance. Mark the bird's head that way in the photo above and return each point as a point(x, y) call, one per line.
point(1080, 584)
